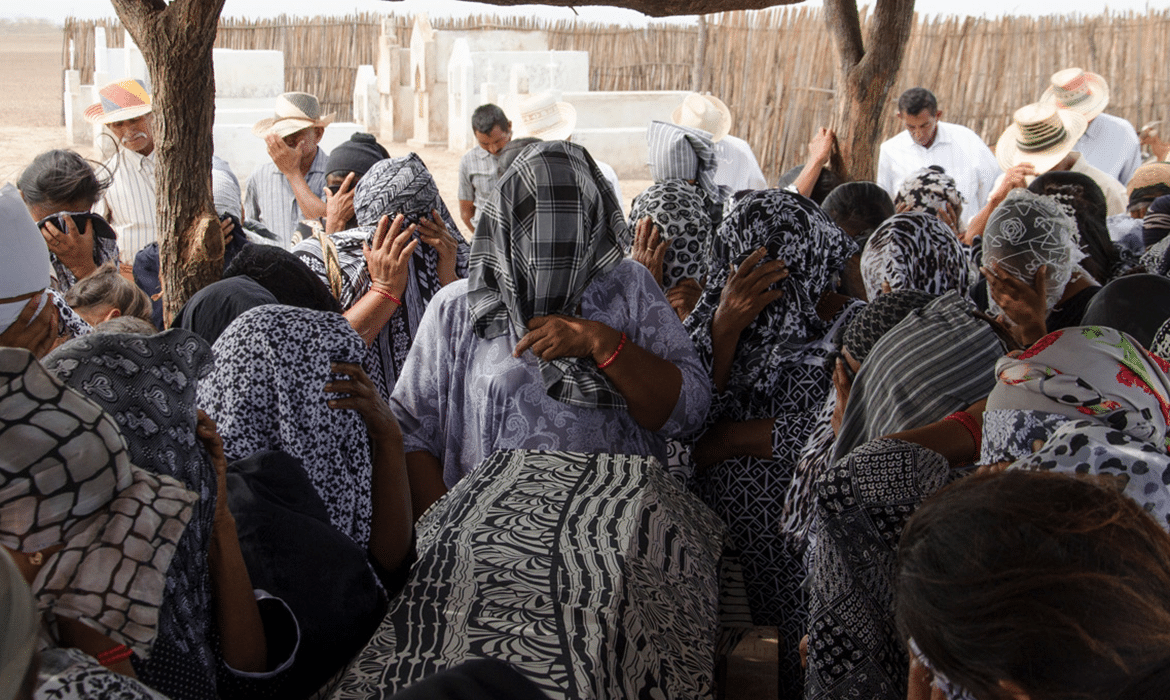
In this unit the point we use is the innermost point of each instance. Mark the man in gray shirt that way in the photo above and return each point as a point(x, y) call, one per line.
point(479, 167)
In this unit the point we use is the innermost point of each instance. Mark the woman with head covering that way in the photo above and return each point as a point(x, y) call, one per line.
point(285, 276)
point(687, 154)
point(932, 191)
point(385, 272)
point(914, 250)
point(858, 208)
point(59, 188)
point(1072, 600)
point(912, 385)
point(1136, 305)
point(764, 327)
point(32, 316)
point(215, 633)
point(1030, 265)
point(106, 515)
point(611, 369)
point(676, 251)
point(212, 309)
point(1156, 236)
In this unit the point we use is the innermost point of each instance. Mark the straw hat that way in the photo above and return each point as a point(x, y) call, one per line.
point(120, 101)
point(706, 112)
point(1041, 135)
point(546, 119)
point(294, 111)
point(1076, 89)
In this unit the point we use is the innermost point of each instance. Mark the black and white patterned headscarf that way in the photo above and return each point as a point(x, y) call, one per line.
point(684, 153)
point(680, 210)
point(550, 229)
point(391, 187)
point(66, 479)
point(878, 317)
point(930, 190)
point(914, 251)
point(267, 392)
point(794, 229)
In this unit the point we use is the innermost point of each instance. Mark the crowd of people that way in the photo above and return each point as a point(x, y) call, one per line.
point(930, 412)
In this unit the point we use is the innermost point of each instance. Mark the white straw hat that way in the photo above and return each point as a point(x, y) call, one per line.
point(294, 111)
point(705, 112)
point(1041, 135)
point(546, 119)
point(1081, 91)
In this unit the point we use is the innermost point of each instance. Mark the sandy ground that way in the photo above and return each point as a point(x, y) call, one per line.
point(31, 122)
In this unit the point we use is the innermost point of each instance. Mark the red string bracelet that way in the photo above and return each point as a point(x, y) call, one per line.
point(614, 356)
point(382, 292)
point(114, 655)
point(964, 419)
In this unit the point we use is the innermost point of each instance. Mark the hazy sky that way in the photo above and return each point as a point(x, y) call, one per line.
point(57, 10)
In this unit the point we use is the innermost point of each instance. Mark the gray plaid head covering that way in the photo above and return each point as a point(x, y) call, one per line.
point(550, 229)
point(930, 190)
point(683, 153)
point(1027, 231)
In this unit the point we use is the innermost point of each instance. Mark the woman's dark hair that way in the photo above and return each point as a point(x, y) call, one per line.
point(285, 275)
point(1090, 208)
point(858, 207)
point(1058, 584)
point(60, 176)
point(106, 285)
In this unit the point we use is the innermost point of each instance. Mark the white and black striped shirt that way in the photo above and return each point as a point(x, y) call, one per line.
point(129, 202)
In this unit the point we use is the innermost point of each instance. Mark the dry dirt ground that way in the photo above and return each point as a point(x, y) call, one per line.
point(31, 121)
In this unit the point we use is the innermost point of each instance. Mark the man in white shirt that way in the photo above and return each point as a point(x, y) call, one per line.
point(737, 168)
point(129, 202)
point(929, 141)
point(1110, 143)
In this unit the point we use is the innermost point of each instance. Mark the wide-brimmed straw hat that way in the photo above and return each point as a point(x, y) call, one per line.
point(1040, 134)
point(120, 101)
point(294, 111)
point(706, 112)
point(1078, 90)
point(546, 119)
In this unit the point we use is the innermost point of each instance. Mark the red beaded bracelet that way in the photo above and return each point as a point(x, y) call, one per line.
point(114, 655)
point(964, 419)
point(614, 356)
point(384, 293)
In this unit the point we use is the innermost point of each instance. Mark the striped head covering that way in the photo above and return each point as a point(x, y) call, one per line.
point(683, 153)
point(548, 232)
point(680, 210)
point(120, 101)
point(914, 250)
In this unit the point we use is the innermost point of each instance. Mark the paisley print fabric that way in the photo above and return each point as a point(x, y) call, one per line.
point(914, 250)
point(67, 480)
point(391, 187)
point(551, 231)
point(267, 392)
point(606, 585)
point(680, 210)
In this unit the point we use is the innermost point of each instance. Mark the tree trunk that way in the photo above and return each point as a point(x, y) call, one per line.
point(176, 42)
point(865, 73)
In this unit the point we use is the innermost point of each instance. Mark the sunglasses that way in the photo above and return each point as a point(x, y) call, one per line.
point(831, 363)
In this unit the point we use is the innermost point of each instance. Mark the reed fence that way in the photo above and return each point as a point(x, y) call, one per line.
point(774, 68)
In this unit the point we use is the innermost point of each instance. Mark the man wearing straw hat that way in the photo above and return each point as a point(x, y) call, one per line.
point(738, 168)
point(545, 118)
point(281, 193)
point(1110, 143)
point(928, 141)
point(128, 205)
point(1044, 137)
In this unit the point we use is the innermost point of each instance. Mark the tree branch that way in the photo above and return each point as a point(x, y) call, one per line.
point(845, 25)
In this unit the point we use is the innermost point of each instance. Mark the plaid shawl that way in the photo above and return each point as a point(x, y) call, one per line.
point(547, 232)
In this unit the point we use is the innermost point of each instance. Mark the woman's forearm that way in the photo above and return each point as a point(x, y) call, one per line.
point(650, 384)
point(426, 481)
point(392, 522)
point(370, 315)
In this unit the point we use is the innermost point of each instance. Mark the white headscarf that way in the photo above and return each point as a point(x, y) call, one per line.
point(24, 264)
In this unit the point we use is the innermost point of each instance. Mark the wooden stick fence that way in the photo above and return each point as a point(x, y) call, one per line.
point(774, 68)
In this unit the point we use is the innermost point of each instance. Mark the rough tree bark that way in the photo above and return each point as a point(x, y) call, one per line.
point(865, 72)
point(176, 41)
